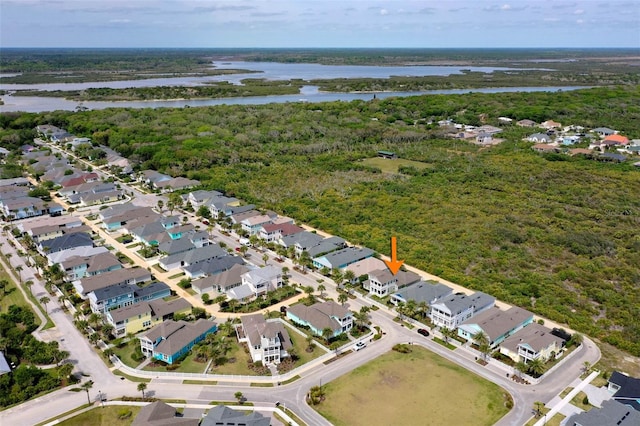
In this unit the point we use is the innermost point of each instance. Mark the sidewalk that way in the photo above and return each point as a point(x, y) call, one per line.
point(567, 399)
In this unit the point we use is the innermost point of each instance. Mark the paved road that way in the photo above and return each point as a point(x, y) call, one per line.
point(292, 395)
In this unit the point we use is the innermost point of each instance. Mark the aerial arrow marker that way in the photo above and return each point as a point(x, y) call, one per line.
point(394, 264)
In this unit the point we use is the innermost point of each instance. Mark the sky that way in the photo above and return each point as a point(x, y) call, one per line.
point(320, 23)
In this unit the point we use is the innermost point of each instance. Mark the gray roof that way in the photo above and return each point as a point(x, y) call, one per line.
point(126, 210)
point(461, 302)
point(629, 392)
point(241, 292)
point(197, 255)
point(67, 241)
point(130, 311)
point(177, 335)
point(320, 315)
point(151, 289)
point(536, 336)
point(347, 256)
point(4, 366)
point(255, 326)
point(604, 130)
point(496, 322)
point(228, 278)
point(161, 308)
point(214, 266)
point(612, 412)
point(326, 246)
point(429, 291)
point(222, 415)
point(97, 262)
point(157, 308)
point(161, 414)
point(118, 276)
point(176, 246)
point(304, 239)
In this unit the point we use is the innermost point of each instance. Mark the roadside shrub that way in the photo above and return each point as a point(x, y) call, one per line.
point(124, 414)
point(403, 348)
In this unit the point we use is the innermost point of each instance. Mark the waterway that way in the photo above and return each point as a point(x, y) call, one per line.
point(266, 70)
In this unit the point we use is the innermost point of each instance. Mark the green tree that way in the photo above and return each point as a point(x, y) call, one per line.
point(536, 367)
point(321, 290)
point(327, 333)
point(19, 270)
point(44, 300)
point(239, 396)
point(342, 298)
point(142, 387)
point(86, 386)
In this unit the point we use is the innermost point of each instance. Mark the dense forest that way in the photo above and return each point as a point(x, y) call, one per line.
point(555, 234)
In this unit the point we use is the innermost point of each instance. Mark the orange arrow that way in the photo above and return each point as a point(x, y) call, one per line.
point(394, 264)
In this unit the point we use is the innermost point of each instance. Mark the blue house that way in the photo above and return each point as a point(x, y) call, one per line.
point(496, 324)
point(322, 315)
point(342, 258)
point(170, 340)
point(120, 295)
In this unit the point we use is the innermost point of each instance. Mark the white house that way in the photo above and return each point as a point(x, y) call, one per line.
point(268, 341)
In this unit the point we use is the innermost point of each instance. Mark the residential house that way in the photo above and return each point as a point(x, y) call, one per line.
point(62, 256)
point(611, 413)
point(342, 258)
point(301, 241)
point(223, 206)
point(22, 207)
point(119, 295)
point(387, 154)
point(252, 225)
point(65, 242)
point(176, 184)
point(616, 140)
point(320, 316)
point(120, 276)
point(496, 324)
point(452, 311)
point(151, 177)
point(604, 131)
point(170, 340)
point(221, 282)
point(625, 389)
point(612, 157)
point(268, 341)
point(272, 232)
point(428, 292)
point(483, 138)
point(78, 178)
point(550, 124)
point(362, 268)
point(212, 266)
point(261, 281)
point(200, 198)
point(121, 215)
point(44, 233)
point(534, 341)
point(327, 245)
point(237, 218)
point(570, 140)
point(539, 138)
point(192, 257)
point(77, 267)
point(172, 247)
point(162, 414)
point(544, 148)
point(4, 365)
point(139, 316)
point(381, 282)
point(222, 415)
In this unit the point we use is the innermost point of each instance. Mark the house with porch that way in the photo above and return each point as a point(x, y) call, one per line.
point(268, 341)
point(320, 316)
point(534, 341)
point(212, 266)
point(611, 413)
point(222, 282)
point(452, 311)
point(263, 280)
point(625, 389)
point(272, 232)
point(169, 340)
point(342, 258)
point(428, 292)
point(77, 267)
point(139, 316)
point(120, 276)
point(119, 295)
point(496, 324)
point(191, 257)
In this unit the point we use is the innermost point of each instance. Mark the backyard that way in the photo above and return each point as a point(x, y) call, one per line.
point(105, 416)
point(416, 386)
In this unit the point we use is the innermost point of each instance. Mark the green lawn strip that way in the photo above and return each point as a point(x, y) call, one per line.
point(565, 392)
point(200, 382)
point(13, 296)
point(108, 415)
point(131, 378)
point(234, 403)
point(238, 367)
point(578, 401)
point(291, 380)
point(82, 407)
point(443, 343)
point(187, 365)
point(554, 421)
point(414, 384)
point(172, 277)
point(126, 351)
point(292, 415)
point(261, 385)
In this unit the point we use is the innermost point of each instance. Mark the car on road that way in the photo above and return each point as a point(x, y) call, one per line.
point(358, 346)
point(424, 332)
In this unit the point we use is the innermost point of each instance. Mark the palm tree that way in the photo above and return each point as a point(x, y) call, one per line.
point(536, 367)
point(239, 396)
point(586, 367)
point(521, 367)
point(310, 343)
point(423, 307)
point(86, 386)
point(44, 300)
point(142, 387)
point(337, 276)
point(447, 333)
point(19, 270)
point(361, 319)
point(342, 298)
point(29, 284)
point(349, 276)
point(107, 329)
point(322, 289)
point(265, 258)
point(411, 308)
point(482, 340)
point(401, 309)
point(309, 291)
point(327, 333)
point(160, 205)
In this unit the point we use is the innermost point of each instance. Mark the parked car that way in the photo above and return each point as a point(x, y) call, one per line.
point(238, 249)
point(358, 346)
point(423, 331)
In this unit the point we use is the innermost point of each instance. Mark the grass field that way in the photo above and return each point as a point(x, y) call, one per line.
point(13, 296)
point(420, 388)
point(103, 416)
point(392, 165)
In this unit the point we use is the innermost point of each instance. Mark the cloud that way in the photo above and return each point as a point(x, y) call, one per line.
point(578, 12)
point(504, 8)
point(119, 21)
point(384, 12)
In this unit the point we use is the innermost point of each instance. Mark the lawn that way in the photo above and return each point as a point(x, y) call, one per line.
point(415, 387)
point(391, 166)
point(103, 416)
point(12, 295)
point(125, 351)
point(239, 367)
point(188, 365)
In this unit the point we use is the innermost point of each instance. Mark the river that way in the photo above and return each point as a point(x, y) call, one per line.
point(266, 70)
